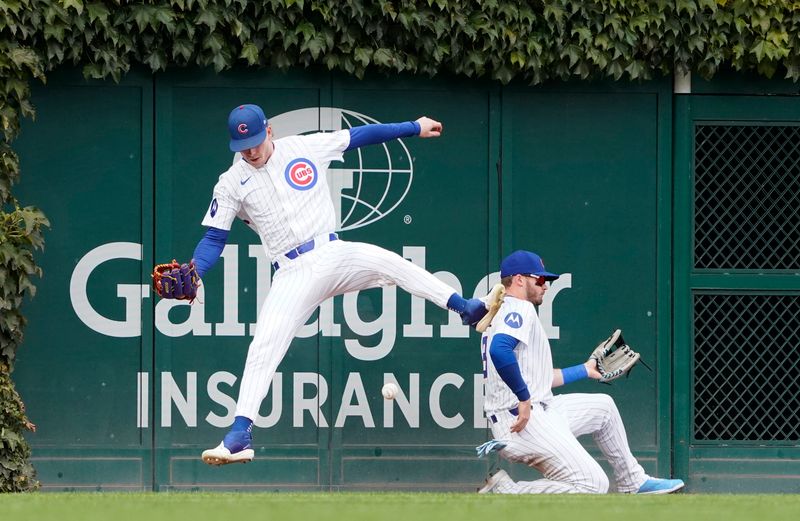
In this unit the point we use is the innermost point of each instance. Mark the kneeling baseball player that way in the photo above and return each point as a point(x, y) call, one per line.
point(529, 423)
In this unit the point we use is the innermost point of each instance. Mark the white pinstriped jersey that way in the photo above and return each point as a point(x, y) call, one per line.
point(518, 318)
point(286, 201)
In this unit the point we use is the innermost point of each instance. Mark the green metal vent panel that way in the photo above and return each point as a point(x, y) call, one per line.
point(746, 368)
point(747, 197)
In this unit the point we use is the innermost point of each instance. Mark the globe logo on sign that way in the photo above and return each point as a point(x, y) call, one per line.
point(372, 181)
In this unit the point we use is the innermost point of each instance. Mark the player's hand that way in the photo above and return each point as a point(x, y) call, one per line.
point(591, 369)
point(429, 127)
point(524, 409)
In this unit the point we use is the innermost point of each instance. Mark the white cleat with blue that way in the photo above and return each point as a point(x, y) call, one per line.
point(660, 486)
point(235, 448)
point(492, 483)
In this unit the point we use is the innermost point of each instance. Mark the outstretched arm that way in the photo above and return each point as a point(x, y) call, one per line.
point(209, 249)
point(568, 375)
point(382, 132)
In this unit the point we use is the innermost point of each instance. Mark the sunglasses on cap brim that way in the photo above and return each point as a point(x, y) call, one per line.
point(541, 280)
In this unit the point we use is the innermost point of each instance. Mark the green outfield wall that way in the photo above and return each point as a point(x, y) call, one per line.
point(600, 179)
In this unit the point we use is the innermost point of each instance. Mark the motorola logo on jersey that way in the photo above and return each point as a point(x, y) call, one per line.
point(513, 319)
point(214, 207)
point(301, 174)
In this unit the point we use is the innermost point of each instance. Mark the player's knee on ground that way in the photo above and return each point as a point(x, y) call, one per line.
point(595, 483)
point(590, 478)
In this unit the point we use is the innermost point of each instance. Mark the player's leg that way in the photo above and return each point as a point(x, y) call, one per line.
point(292, 298)
point(547, 444)
point(362, 265)
point(597, 414)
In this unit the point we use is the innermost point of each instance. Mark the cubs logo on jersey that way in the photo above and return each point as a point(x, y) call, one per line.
point(513, 319)
point(301, 174)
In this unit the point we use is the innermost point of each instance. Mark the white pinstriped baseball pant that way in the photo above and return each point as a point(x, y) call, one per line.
point(549, 444)
point(302, 284)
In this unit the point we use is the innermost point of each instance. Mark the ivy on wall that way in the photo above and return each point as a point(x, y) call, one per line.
point(530, 41)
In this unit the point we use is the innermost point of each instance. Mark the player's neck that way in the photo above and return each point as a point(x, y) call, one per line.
point(270, 151)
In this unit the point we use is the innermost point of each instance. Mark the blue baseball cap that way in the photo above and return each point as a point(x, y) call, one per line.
point(524, 262)
point(247, 126)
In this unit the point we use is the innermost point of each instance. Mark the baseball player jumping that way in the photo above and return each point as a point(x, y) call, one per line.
point(280, 189)
point(534, 426)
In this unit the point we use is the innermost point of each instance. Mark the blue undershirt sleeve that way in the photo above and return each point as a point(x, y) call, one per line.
point(574, 373)
point(209, 249)
point(380, 133)
point(502, 353)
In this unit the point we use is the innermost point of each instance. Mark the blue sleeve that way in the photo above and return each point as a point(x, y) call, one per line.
point(381, 133)
point(502, 353)
point(209, 249)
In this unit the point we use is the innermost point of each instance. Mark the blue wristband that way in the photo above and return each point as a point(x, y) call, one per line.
point(574, 373)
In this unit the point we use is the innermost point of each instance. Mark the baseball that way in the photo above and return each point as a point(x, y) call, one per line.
point(390, 390)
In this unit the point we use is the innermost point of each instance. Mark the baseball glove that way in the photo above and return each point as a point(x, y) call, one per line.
point(493, 302)
point(178, 281)
point(614, 357)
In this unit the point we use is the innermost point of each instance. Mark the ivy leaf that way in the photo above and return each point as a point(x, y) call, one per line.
point(75, 4)
point(767, 68)
point(759, 50)
point(686, 5)
point(583, 33)
point(554, 12)
point(97, 12)
point(208, 17)
point(142, 15)
point(573, 53)
point(165, 17)
point(383, 57)
point(363, 55)
point(55, 31)
point(504, 74)
point(250, 53)
point(182, 48)
point(213, 42)
point(315, 45)
point(306, 29)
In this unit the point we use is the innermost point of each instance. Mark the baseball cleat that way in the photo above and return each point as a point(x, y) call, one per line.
point(660, 486)
point(493, 482)
point(235, 448)
point(222, 456)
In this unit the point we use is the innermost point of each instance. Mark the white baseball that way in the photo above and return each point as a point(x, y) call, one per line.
point(390, 390)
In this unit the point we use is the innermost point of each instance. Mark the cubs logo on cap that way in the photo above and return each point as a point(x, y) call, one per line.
point(301, 174)
point(247, 126)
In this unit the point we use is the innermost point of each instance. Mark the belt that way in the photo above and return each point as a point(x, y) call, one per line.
point(303, 248)
point(513, 410)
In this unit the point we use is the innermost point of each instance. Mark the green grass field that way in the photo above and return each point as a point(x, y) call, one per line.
point(348, 506)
